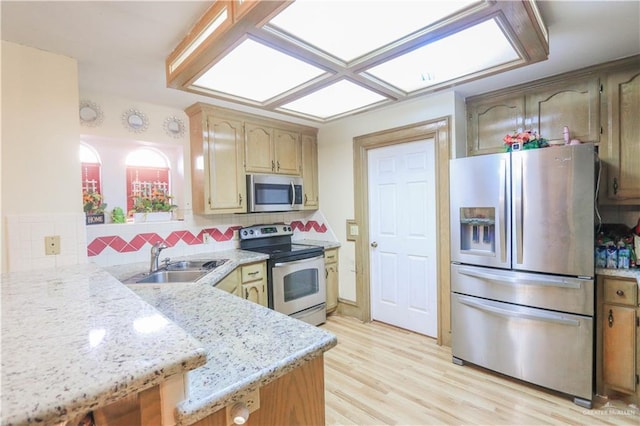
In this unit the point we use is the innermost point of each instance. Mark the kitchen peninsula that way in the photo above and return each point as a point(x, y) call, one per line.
point(75, 340)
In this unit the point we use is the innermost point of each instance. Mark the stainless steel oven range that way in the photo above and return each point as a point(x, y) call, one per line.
point(296, 283)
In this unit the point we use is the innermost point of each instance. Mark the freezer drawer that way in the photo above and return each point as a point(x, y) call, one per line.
point(565, 294)
point(549, 349)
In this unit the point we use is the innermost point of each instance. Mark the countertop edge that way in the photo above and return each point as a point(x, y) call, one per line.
point(188, 412)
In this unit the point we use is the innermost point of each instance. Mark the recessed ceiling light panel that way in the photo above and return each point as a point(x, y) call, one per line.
point(350, 29)
point(335, 99)
point(477, 48)
point(257, 72)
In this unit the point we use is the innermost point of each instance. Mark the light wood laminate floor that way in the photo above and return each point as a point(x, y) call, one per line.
point(382, 375)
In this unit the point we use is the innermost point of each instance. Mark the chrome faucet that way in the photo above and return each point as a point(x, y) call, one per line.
point(155, 255)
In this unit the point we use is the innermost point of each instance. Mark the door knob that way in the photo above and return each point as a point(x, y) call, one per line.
point(374, 244)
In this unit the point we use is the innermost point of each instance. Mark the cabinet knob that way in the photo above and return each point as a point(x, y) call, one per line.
point(239, 413)
point(610, 318)
point(615, 186)
point(620, 293)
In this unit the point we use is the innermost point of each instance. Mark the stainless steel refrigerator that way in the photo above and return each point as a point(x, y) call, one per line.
point(522, 272)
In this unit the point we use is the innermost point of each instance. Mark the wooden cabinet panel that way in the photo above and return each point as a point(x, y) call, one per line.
point(259, 149)
point(254, 283)
point(227, 191)
point(270, 150)
point(217, 163)
point(310, 172)
point(619, 291)
point(287, 152)
point(254, 292)
point(621, 156)
point(230, 283)
point(619, 348)
point(575, 104)
point(331, 269)
point(296, 398)
point(490, 120)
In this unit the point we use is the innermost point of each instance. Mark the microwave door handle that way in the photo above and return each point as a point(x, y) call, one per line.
point(293, 194)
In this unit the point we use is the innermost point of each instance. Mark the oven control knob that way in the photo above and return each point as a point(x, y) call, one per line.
point(251, 231)
point(244, 232)
point(289, 228)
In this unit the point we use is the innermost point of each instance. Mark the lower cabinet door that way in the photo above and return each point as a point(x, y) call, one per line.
point(619, 348)
point(547, 348)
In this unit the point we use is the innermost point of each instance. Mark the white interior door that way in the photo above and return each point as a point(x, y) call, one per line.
point(402, 224)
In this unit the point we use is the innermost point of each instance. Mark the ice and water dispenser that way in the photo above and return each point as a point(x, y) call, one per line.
point(478, 230)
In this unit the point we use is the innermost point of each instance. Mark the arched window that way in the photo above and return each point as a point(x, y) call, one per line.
point(147, 173)
point(90, 163)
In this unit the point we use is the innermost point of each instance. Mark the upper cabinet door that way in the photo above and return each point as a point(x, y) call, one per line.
point(574, 104)
point(226, 186)
point(621, 154)
point(259, 149)
point(489, 120)
point(287, 152)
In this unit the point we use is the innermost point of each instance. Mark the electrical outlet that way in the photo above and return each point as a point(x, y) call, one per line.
point(206, 238)
point(52, 245)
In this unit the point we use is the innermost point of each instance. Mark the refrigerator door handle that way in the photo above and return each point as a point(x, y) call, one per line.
point(518, 178)
point(503, 212)
point(541, 281)
point(542, 316)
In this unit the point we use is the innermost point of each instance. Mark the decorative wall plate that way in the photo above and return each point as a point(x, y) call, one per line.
point(174, 127)
point(135, 121)
point(90, 114)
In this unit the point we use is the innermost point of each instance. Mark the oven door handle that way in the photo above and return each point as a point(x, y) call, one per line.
point(298, 261)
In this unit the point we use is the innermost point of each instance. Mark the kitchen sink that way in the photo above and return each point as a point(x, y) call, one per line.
point(181, 271)
point(173, 276)
point(182, 265)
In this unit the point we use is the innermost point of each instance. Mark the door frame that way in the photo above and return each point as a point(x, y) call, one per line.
point(439, 130)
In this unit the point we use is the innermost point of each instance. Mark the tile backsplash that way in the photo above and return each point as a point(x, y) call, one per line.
point(25, 240)
point(116, 244)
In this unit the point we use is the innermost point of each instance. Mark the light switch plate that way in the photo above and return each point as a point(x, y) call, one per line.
point(353, 230)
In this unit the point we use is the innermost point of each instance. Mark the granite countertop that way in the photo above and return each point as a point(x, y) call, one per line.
point(75, 339)
point(628, 273)
point(321, 243)
point(247, 344)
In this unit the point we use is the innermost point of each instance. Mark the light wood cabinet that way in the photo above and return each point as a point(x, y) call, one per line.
point(254, 283)
point(272, 150)
point(490, 119)
point(230, 283)
point(618, 346)
point(621, 154)
point(248, 281)
point(331, 269)
point(259, 148)
point(309, 146)
point(545, 108)
point(217, 163)
point(574, 103)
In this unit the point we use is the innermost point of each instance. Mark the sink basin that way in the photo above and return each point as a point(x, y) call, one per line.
point(173, 276)
point(182, 265)
point(181, 271)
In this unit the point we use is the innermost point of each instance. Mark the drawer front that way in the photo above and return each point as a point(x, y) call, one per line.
point(621, 291)
point(564, 294)
point(331, 256)
point(253, 272)
point(547, 348)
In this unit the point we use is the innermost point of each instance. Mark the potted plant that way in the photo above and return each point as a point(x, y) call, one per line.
point(152, 208)
point(93, 207)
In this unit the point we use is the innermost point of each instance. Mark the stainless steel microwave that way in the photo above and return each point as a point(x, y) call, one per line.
point(273, 193)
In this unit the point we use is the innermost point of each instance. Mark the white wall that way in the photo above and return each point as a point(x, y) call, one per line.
point(335, 158)
point(40, 165)
point(113, 141)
